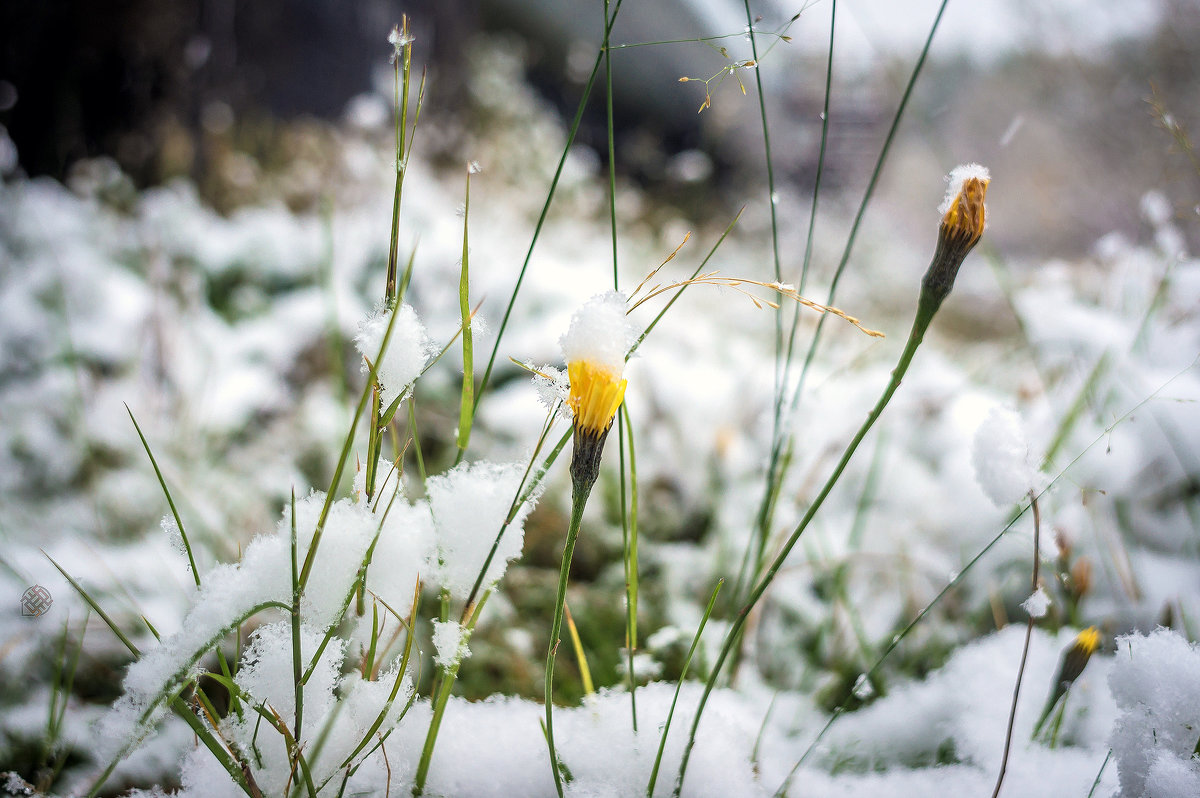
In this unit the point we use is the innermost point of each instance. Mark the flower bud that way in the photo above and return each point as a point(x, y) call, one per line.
point(964, 217)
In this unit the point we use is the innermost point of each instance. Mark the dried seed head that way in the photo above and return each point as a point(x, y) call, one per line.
point(1081, 577)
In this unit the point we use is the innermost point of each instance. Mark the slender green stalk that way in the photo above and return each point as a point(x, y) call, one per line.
point(439, 705)
point(537, 231)
point(1100, 773)
point(416, 439)
point(953, 245)
point(687, 663)
point(776, 465)
point(621, 422)
point(297, 656)
point(403, 72)
point(629, 530)
point(775, 479)
point(578, 502)
point(467, 408)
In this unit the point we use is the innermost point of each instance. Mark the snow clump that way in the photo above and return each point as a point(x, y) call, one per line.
point(600, 333)
point(1037, 604)
point(408, 350)
point(1155, 681)
point(1001, 458)
point(470, 505)
point(957, 177)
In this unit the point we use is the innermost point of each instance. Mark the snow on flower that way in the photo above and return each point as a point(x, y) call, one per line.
point(963, 208)
point(594, 347)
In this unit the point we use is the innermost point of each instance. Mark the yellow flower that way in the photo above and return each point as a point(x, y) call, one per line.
point(963, 219)
point(596, 394)
point(1076, 657)
point(966, 215)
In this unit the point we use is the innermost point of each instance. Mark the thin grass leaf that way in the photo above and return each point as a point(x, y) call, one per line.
point(467, 408)
point(585, 673)
point(629, 534)
point(537, 231)
point(162, 482)
point(687, 663)
point(104, 616)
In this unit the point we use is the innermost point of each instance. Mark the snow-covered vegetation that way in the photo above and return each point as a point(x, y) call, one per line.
point(303, 524)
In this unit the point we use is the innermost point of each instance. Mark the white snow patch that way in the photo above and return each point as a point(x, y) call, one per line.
point(600, 333)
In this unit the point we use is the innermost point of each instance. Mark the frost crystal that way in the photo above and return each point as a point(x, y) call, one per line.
point(407, 352)
point(1001, 458)
point(169, 526)
point(552, 388)
point(600, 333)
point(1037, 604)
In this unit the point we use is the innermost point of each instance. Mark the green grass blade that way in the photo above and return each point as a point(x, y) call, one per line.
point(537, 231)
point(687, 663)
point(467, 409)
point(187, 546)
point(104, 616)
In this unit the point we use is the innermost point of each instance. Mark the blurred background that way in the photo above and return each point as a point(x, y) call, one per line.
point(194, 218)
point(1068, 94)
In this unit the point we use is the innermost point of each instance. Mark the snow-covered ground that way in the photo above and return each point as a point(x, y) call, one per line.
point(230, 340)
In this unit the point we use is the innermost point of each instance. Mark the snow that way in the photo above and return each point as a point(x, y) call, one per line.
point(1001, 458)
point(408, 350)
point(1155, 681)
point(450, 642)
point(958, 176)
point(600, 333)
point(1037, 603)
point(470, 505)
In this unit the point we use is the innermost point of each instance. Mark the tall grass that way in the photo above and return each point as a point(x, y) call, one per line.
point(393, 439)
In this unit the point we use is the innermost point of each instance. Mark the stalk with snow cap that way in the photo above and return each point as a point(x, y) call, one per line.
point(594, 348)
point(964, 217)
